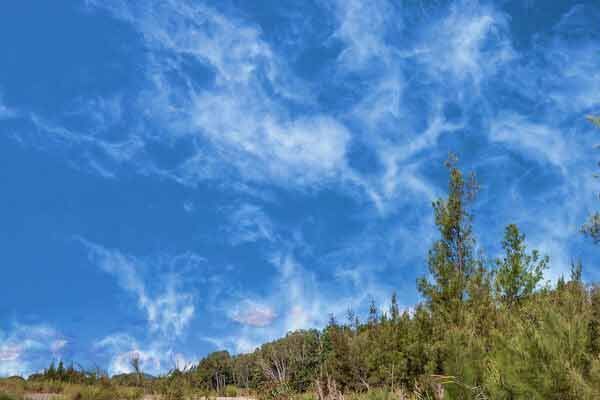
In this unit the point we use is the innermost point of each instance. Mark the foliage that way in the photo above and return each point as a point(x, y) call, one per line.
point(518, 273)
point(592, 227)
point(6, 396)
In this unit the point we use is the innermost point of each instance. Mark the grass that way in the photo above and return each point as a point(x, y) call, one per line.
point(6, 396)
point(15, 389)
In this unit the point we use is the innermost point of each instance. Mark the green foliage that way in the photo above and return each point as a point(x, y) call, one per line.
point(214, 372)
point(231, 391)
point(518, 273)
point(546, 355)
point(592, 227)
point(594, 119)
point(14, 387)
point(96, 392)
point(173, 390)
point(6, 396)
point(451, 259)
point(278, 391)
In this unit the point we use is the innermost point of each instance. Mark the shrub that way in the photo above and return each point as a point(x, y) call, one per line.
point(231, 391)
point(6, 396)
point(130, 393)
point(172, 390)
point(277, 392)
point(91, 393)
point(14, 386)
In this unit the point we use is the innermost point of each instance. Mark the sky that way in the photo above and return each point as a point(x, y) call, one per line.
point(180, 176)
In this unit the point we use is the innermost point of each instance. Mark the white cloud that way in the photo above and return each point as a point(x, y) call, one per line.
point(155, 357)
point(262, 144)
point(252, 313)
point(241, 124)
point(169, 309)
point(6, 113)
point(249, 223)
point(470, 43)
point(363, 26)
point(298, 299)
point(24, 348)
point(541, 142)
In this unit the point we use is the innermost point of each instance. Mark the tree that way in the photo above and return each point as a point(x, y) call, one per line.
point(51, 371)
point(518, 273)
point(373, 313)
point(215, 371)
point(451, 260)
point(592, 227)
point(394, 309)
point(134, 362)
point(60, 371)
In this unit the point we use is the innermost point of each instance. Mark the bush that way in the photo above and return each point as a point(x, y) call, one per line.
point(14, 386)
point(277, 392)
point(130, 393)
point(46, 386)
point(172, 390)
point(231, 391)
point(91, 393)
point(6, 396)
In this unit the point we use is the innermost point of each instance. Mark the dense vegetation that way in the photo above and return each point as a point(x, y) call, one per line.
point(485, 329)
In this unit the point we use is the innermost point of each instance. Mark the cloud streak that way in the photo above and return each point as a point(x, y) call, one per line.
point(24, 349)
point(170, 308)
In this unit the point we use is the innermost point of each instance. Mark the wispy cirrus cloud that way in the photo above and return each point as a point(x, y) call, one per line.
point(164, 293)
point(25, 349)
point(363, 27)
point(5, 111)
point(252, 313)
point(155, 357)
point(297, 299)
point(539, 141)
point(249, 223)
point(167, 305)
point(241, 120)
point(468, 45)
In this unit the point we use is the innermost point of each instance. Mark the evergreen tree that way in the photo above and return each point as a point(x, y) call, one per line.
point(394, 309)
point(518, 273)
point(451, 260)
point(373, 314)
point(51, 372)
point(60, 371)
point(592, 227)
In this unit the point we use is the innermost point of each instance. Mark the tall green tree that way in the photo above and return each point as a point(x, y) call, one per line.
point(451, 260)
point(592, 227)
point(518, 273)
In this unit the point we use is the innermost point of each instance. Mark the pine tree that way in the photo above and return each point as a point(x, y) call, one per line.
point(451, 260)
point(60, 371)
point(51, 371)
point(394, 309)
point(518, 273)
point(592, 227)
point(373, 314)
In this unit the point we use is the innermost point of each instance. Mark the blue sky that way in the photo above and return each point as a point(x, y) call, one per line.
point(184, 176)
